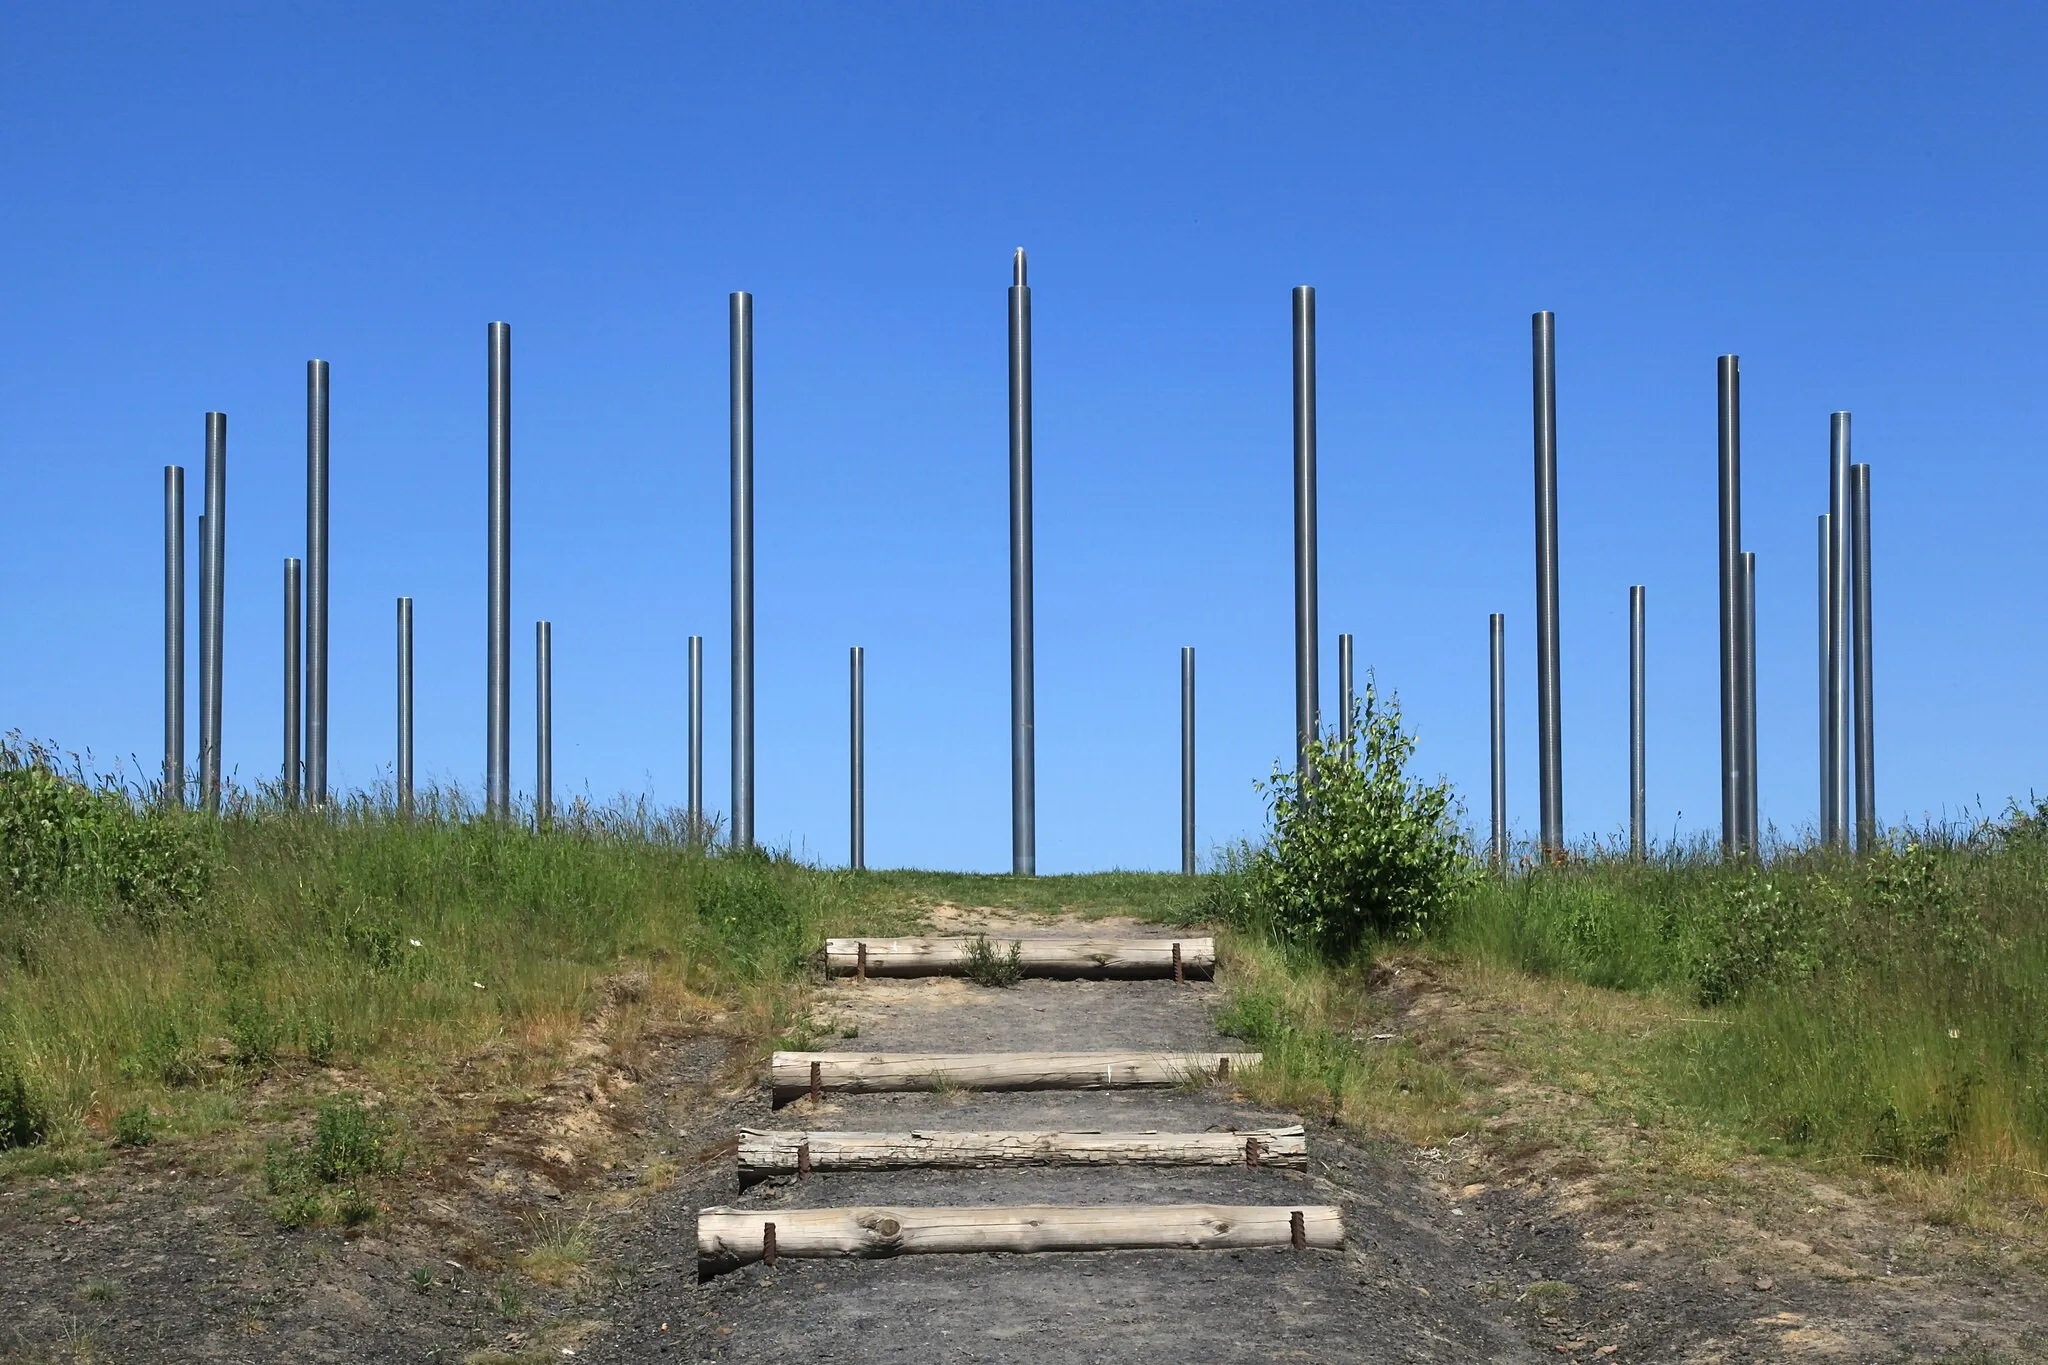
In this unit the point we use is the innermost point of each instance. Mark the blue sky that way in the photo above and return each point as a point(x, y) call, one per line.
point(1850, 197)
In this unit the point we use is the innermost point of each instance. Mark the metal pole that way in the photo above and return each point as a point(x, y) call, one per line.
point(405, 707)
point(205, 635)
point(1187, 760)
point(293, 627)
point(1307, 719)
point(498, 758)
point(174, 635)
point(696, 807)
point(1638, 786)
point(316, 582)
point(213, 579)
point(543, 724)
point(741, 374)
point(1751, 818)
point(1838, 626)
point(856, 663)
point(1734, 821)
point(1825, 726)
point(1023, 693)
point(1345, 696)
point(1549, 718)
point(1859, 592)
point(1497, 687)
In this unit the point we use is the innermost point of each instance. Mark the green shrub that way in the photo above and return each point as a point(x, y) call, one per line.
point(168, 1053)
point(348, 1140)
point(1357, 851)
point(253, 1031)
point(991, 966)
point(24, 1120)
point(318, 1183)
point(135, 1127)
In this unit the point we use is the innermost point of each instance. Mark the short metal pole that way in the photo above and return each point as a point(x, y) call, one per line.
point(1345, 697)
point(316, 582)
point(1023, 692)
point(1497, 699)
point(741, 377)
point(293, 682)
point(1549, 716)
point(1734, 821)
point(1307, 718)
point(1187, 760)
point(174, 635)
point(856, 666)
point(213, 578)
point(498, 758)
point(696, 807)
point(543, 724)
point(1859, 553)
point(1638, 790)
point(405, 708)
point(1751, 839)
point(1824, 726)
point(1838, 628)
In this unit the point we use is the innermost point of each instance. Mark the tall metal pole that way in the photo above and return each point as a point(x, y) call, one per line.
point(316, 582)
point(174, 635)
point(1859, 592)
point(1838, 627)
point(1307, 717)
point(294, 773)
point(741, 375)
point(696, 807)
point(1824, 726)
point(1497, 708)
point(1345, 696)
point(1734, 821)
point(1751, 818)
point(498, 782)
point(1187, 760)
point(1549, 717)
point(205, 636)
point(856, 767)
point(1023, 692)
point(1638, 785)
point(212, 588)
point(543, 724)
point(405, 708)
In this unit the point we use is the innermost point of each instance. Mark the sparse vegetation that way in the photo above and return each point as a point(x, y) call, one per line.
point(988, 965)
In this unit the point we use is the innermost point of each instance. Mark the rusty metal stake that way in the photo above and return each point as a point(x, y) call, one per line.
point(1251, 1153)
point(817, 1082)
point(1177, 978)
point(860, 965)
point(1296, 1232)
point(768, 1241)
point(803, 1161)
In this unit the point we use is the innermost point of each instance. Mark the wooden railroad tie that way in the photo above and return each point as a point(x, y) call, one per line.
point(1061, 957)
point(765, 1153)
point(796, 1074)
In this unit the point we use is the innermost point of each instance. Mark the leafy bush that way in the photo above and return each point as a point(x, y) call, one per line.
point(135, 1127)
point(990, 966)
point(317, 1184)
point(24, 1121)
point(168, 1052)
point(1357, 851)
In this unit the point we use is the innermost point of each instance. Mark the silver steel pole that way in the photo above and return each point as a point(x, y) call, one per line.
point(213, 578)
point(856, 664)
point(543, 724)
point(405, 708)
point(316, 582)
point(205, 636)
point(1859, 592)
point(1345, 697)
point(1497, 699)
point(1734, 821)
point(741, 374)
point(1838, 627)
point(1549, 717)
point(174, 635)
point(696, 807)
point(1023, 667)
point(1824, 726)
point(1307, 712)
point(1751, 815)
point(1638, 785)
point(1187, 760)
point(498, 758)
point(293, 633)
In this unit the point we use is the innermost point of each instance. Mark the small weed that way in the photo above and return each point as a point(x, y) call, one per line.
point(560, 1251)
point(1548, 1297)
point(253, 1032)
point(98, 1290)
point(989, 966)
point(849, 1030)
point(24, 1119)
point(168, 1053)
point(422, 1280)
point(511, 1304)
point(317, 1184)
point(135, 1127)
point(316, 1035)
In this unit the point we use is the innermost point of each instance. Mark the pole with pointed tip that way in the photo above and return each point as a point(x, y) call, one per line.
point(1023, 722)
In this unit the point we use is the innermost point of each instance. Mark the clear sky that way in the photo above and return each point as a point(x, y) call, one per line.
point(197, 199)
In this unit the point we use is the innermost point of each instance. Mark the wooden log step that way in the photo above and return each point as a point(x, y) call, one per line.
point(765, 1153)
point(728, 1238)
point(1065, 957)
point(794, 1074)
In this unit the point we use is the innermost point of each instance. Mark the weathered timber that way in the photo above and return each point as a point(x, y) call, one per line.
point(728, 1238)
point(765, 1153)
point(1063, 957)
point(799, 1073)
